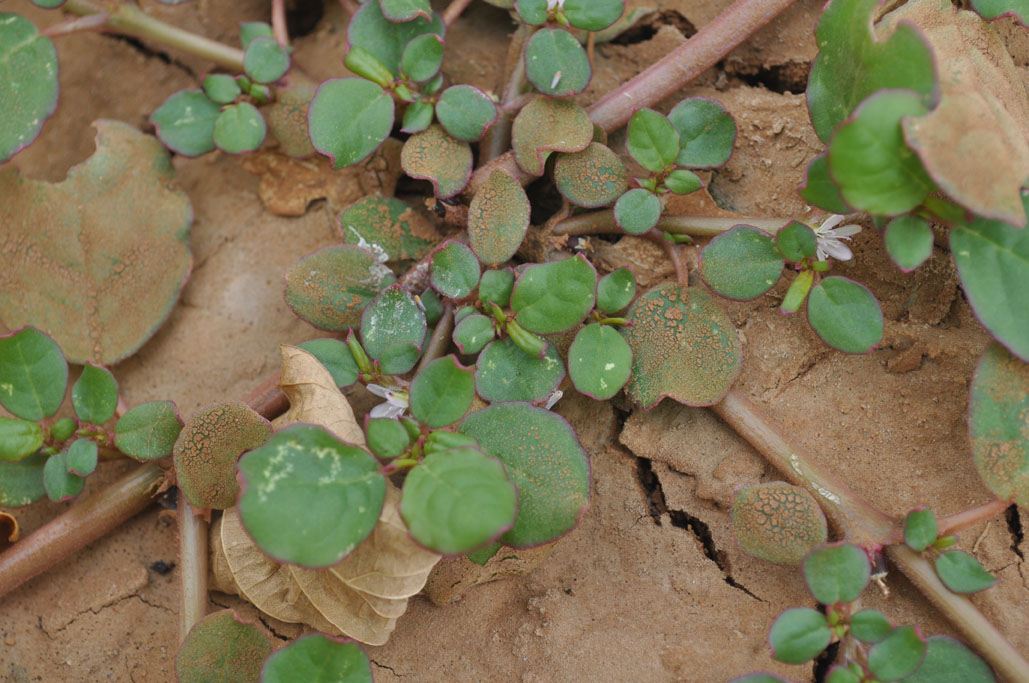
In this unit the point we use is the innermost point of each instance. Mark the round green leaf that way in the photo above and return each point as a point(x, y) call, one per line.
point(869, 625)
point(993, 9)
point(19, 439)
point(389, 225)
point(483, 555)
point(454, 270)
point(393, 321)
point(962, 573)
point(336, 357)
point(498, 218)
point(369, 29)
point(422, 57)
point(920, 529)
point(221, 88)
point(296, 488)
point(81, 457)
point(836, 572)
point(741, 264)
point(504, 372)
point(458, 500)
point(473, 333)
point(330, 288)
point(318, 658)
point(349, 118)
point(616, 290)
point(777, 522)
point(240, 128)
point(60, 484)
point(593, 15)
point(546, 125)
point(221, 649)
point(28, 83)
point(798, 635)
point(845, 315)
point(591, 178)
point(387, 437)
point(417, 117)
point(21, 483)
point(465, 112)
point(637, 211)
point(870, 161)
point(432, 305)
point(681, 181)
point(532, 12)
point(63, 429)
point(33, 374)
point(759, 678)
point(909, 241)
point(249, 30)
point(842, 674)
point(796, 242)
point(819, 189)
point(545, 461)
point(148, 431)
point(897, 655)
point(265, 61)
point(707, 132)
point(207, 449)
point(442, 393)
point(683, 346)
point(599, 361)
point(652, 140)
point(405, 10)
point(556, 63)
point(185, 123)
point(554, 297)
point(948, 661)
point(495, 287)
point(95, 394)
point(435, 156)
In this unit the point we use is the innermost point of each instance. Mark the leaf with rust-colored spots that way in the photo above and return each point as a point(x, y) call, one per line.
point(683, 346)
point(96, 261)
point(547, 125)
point(998, 424)
point(435, 156)
point(975, 142)
point(287, 115)
point(330, 288)
point(591, 178)
point(207, 448)
point(777, 522)
point(388, 224)
point(498, 218)
point(221, 649)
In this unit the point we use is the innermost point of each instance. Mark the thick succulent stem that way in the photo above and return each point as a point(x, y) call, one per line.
point(952, 524)
point(192, 567)
point(437, 345)
point(603, 222)
point(279, 22)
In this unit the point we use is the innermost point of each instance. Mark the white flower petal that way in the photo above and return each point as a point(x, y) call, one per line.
point(830, 223)
point(820, 253)
point(386, 410)
point(378, 390)
point(838, 250)
point(845, 230)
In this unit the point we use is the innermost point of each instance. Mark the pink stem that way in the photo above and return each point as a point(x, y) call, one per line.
point(952, 524)
point(454, 10)
point(93, 22)
point(279, 22)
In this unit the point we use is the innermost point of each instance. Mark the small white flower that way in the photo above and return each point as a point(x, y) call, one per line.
point(395, 405)
point(829, 238)
point(555, 5)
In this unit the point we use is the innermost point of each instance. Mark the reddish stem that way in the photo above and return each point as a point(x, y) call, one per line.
point(440, 340)
point(93, 22)
point(279, 28)
point(267, 399)
point(952, 524)
point(454, 10)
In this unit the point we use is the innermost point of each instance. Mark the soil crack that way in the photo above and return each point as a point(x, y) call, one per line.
point(1015, 527)
point(388, 668)
point(97, 610)
point(270, 629)
point(824, 662)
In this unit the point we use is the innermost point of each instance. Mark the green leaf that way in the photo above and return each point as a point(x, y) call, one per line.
point(473, 333)
point(265, 61)
point(869, 625)
point(546, 125)
point(406, 10)
point(554, 297)
point(19, 439)
point(591, 178)
point(240, 128)
point(207, 449)
point(842, 674)
point(21, 483)
point(249, 30)
point(796, 242)
point(148, 431)
point(681, 181)
point(81, 457)
point(505, 372)
point(442, 393)
point(482, 556)
point(465, 112)
point(798, 635)
point(759, 678)
point(637, 211)
point(336, 357)
point(432, 305)
point(387, 224)
point(369, 29)
point(777, 522)
point(546, 463)
point(870, 161)
point(920, 529)
point(28, 83)
point(556, 64)
point(417, 117)
point(707, 132)
point(454, 270)
point(593, 15)
point(63, 429)
point(599, 361)
point(836, 572)
point(853, 63)
point(962, 573)
point(422, 57)
point(532, 12)
point(33, 374)
point(652, 140)
point(330, 288)
point(393, 320)
point(296, 488)
point(897, 655)
point(349, 118)
point(495, 287)
point(435, 156)
point(60, 484)
point(387, 437)
point(317, 658)
point(948, 661)
point(683, 346)
point(820, 190)
point(798, 291)
point(121, 228)
point(185, 123)
point(221, 88)
point(845, 315)
point(993, 9)
point(993, 263)
point(458, 500)
point(498, 218)
point(616, 290)
point(220, 648)
point(741, 264)
point(996, 424)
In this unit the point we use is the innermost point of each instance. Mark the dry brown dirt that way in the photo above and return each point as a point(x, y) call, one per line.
point(652, 586)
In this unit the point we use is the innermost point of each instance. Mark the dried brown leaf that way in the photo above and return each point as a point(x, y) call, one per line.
point(314, 397)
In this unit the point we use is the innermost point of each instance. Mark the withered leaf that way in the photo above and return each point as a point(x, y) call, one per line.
point(314, 397)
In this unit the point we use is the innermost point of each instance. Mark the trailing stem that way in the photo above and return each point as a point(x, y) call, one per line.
point(603, 222)
point(440, 338)
point(279, 22)
point(454, 10)
point(192, 567)
point(498, 136)
point(952, 524)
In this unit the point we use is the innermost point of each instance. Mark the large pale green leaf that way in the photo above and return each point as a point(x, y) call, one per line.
point(349, 118)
